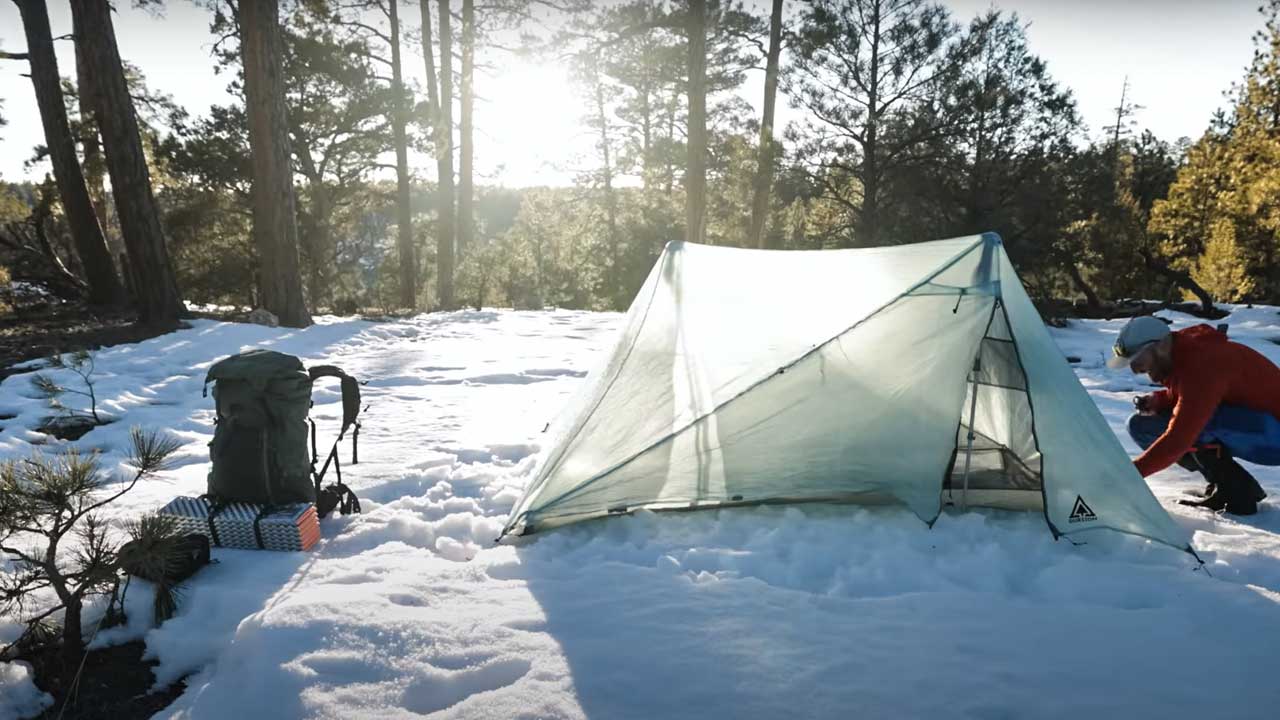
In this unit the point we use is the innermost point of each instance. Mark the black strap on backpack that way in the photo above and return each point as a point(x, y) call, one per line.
point(337, 495)
point(264, 511)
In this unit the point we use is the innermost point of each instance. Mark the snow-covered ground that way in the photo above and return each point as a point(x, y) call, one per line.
point(813, 612)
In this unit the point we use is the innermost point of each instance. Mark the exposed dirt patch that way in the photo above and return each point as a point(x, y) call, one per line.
point(114, 685)
point(59, 328)
point(71, 427)
point(63, 328)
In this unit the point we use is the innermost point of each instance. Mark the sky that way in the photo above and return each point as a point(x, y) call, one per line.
point(1179, 57)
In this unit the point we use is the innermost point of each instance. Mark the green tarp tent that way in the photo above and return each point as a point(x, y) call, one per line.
point(753, 376)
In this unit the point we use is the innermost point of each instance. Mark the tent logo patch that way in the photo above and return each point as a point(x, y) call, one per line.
point(1081, 512)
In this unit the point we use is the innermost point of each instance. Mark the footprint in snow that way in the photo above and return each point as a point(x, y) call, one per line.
point(408, 600)
point(439, 689)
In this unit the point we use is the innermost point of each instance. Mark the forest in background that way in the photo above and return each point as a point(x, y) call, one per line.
point(915, 125)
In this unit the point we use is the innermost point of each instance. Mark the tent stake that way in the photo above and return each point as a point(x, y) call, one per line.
point(968, 451)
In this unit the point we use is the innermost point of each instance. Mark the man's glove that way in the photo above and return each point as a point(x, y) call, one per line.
point(1142, 403)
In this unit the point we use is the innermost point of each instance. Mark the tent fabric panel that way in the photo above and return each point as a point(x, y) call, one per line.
point(1082, 458)
point(849, 418)
point(583, 406)
point(682, 355)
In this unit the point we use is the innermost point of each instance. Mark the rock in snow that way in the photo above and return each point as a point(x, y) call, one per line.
point(265, 317)
point(814, 612)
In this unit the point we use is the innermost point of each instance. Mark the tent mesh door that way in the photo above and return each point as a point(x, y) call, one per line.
point(1003, 454)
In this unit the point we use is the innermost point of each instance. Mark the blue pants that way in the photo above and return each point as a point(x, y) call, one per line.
point(1248, 434)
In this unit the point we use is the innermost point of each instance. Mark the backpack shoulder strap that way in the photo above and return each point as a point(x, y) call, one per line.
point(338, 494)
point(350, 392)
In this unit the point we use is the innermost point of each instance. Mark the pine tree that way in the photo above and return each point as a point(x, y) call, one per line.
point(154, 283)
point(863, 69)
point(1222, 268)
point(275, 225)
point(104, 285)
point(1229, 186)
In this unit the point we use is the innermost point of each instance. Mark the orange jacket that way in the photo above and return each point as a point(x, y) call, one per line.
point(1208, 370)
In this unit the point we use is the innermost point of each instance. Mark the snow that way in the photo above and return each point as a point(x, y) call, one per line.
point(19, 697)
point(817, 611)
point(27, 290)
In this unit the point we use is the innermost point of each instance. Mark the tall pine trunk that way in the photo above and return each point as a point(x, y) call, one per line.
point(669, 176)
point(440, 99)
point(404, 213)
point(86, 233)
point(695, 178)
point(321, 242)
point(764, 168)
point(155, 285)
point(868, 229)
point(613, 277)
point(466, 165)
point(94, 165)
point(275, 223)
point(314, 225)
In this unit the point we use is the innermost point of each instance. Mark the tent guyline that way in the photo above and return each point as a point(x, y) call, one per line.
point(906, 374)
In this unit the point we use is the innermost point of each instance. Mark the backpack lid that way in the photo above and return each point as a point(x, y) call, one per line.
point(255, 366)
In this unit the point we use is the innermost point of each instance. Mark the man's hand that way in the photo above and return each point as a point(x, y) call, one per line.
point(1143, 404)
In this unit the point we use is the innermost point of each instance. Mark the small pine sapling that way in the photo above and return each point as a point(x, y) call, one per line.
point(67, 420)
point(55, 540)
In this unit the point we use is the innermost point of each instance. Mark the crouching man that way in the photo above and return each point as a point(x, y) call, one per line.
point(1221, 401)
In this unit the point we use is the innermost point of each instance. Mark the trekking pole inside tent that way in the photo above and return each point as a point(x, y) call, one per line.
point(968, 451)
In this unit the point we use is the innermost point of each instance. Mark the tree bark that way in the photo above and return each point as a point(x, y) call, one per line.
point(440, 98)
point(404, 213)
point(86, 233)
point(94, 165)
point(764, 169)
point(275, 223)
point(466, 159)
point(72, 634)
point(158, 301)
point(696, 172)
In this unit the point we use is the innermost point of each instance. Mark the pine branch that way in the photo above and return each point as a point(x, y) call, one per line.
point(21, 556)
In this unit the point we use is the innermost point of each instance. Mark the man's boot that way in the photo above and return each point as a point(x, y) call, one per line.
point(1234, 488)
point(1188, 462)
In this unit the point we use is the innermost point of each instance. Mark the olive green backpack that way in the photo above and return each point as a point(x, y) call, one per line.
point(259, 447)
